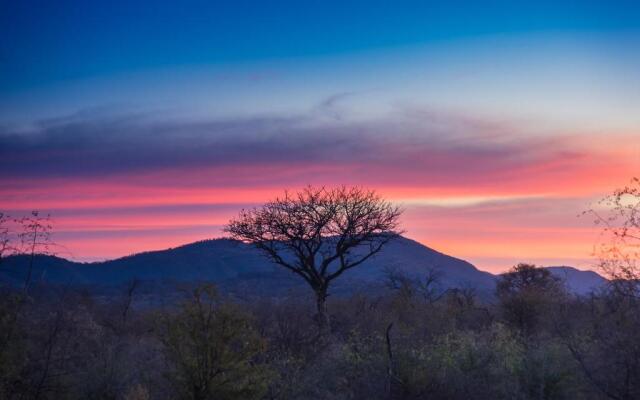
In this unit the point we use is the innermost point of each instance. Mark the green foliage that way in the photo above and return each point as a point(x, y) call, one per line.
point(213, 350)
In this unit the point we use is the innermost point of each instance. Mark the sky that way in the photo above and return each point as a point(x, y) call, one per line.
point(146, 125)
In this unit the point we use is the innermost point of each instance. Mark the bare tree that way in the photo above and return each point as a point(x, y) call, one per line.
point(319, 234)
point(427, 286)
point(132, 286)
point(35, 239)
point(4, 235)
point(619, 252)
point(601, 334)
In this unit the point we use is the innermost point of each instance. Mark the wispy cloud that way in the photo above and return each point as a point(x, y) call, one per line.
point(471, 187)
point(418, 149)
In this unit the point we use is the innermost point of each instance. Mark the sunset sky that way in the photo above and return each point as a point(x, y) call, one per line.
point(148, 125)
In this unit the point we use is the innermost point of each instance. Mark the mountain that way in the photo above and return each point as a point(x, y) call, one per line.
point(577, 281)
point(236, 265)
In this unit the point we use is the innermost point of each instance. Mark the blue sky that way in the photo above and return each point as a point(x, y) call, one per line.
point(506, 117)
point(47, 41)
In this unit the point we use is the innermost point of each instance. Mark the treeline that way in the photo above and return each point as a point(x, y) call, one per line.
point(533, 341)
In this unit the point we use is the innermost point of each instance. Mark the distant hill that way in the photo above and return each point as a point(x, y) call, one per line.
point(577, 281)
point(233, 264)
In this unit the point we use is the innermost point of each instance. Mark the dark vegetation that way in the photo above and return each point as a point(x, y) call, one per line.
point(533, 339)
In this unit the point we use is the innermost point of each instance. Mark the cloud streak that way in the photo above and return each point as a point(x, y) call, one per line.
point(471, 187)
point(297, 149)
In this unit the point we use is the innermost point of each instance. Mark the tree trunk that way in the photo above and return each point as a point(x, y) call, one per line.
point(322, 317)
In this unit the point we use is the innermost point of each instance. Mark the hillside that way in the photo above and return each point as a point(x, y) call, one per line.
point(233, 264)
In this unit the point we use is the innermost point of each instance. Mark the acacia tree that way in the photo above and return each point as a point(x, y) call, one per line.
point(319, 233)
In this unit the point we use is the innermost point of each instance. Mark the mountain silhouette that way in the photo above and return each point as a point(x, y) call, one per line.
point(233, 264)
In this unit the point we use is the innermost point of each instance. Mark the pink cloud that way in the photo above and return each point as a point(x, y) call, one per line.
point(169, 182)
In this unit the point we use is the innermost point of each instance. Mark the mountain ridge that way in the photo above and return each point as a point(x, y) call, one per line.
point(231, 263)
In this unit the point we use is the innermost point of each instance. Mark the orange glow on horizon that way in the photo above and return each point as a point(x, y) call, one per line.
point(526, 214)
